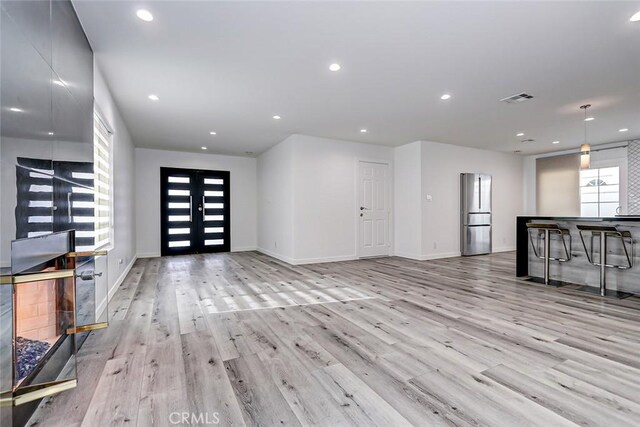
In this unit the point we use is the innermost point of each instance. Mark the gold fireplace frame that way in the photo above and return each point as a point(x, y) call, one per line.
point(29, 393)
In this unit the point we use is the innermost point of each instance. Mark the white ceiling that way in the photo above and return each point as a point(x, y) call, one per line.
point(231, 66)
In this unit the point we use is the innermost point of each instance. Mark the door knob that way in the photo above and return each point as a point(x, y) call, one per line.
point(362, 208)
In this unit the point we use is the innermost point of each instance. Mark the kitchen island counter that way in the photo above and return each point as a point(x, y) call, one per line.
point(578, 270)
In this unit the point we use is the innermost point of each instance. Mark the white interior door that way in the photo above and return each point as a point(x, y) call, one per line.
point(373, 209)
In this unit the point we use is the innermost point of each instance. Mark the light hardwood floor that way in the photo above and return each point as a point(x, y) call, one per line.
point(245, 339)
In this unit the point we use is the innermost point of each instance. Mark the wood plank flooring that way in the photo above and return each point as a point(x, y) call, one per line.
point(244, 339)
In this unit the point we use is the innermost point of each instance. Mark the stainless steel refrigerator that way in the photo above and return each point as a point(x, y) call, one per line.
point(475, 214)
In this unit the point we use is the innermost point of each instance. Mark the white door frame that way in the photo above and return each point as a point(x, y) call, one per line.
point(357, 201)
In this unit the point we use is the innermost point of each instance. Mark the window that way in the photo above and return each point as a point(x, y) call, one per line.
point(600, 191)
point(61, 195)
point(102, 138)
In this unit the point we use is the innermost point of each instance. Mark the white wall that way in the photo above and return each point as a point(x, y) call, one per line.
point(408, 200)
point(529, 185)
point(123, 251)
point(441, 168)
point(147, 183)
point(325, 196)
point(307, 198)
point(275, 201)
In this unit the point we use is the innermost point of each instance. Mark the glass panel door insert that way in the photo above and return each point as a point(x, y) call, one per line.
point(195, 211)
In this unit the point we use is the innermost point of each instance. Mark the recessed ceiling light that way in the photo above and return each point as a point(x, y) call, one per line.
point(212, 133)
point(588, 119)
point(623, 130)
point(556, 142)
point(635, 17)
point(16, 110)
point(153, 97)
point(145, 15)
point(363, 131)
point(335, 67)
point(445, 96)
point(276, 117)
point(204, 148)
point(50, 133)
point(520, 134)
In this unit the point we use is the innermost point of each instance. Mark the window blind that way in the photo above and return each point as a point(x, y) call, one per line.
point(102, 181)
point(557, 185)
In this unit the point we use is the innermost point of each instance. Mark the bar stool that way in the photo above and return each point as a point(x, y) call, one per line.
point(545, 231)
point(603, 233)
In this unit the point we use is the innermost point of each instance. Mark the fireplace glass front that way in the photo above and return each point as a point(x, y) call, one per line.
point(44, 311)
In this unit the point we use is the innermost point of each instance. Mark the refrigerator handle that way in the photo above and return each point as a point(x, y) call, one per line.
point(480, 193)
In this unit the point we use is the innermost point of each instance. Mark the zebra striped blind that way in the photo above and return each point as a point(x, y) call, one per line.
point(102, 181)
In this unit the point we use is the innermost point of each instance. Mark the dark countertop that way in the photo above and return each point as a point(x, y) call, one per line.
point(634, 218)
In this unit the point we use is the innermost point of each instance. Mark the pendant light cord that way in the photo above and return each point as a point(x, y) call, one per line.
point(585, 107)
point(585, 124)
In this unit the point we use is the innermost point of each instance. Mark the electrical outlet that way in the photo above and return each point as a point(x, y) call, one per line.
point(120, 261)
point(435, 245)
point(275, 244)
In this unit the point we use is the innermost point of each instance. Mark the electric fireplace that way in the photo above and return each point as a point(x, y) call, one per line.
point(43, 316)
point(40, 321)
point(43, 312)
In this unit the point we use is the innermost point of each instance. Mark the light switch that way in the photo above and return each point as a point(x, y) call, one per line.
point(429, 198)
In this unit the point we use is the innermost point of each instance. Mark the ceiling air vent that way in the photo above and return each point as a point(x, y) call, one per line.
point(514, 99)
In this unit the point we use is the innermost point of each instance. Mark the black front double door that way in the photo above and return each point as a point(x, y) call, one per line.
point(195, 211)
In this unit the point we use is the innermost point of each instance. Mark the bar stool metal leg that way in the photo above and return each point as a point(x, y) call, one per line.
point(547, 251)
point(603, 233)
point(545, 231)
point(603, 264)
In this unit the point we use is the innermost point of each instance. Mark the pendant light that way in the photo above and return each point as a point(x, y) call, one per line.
point(585, 149)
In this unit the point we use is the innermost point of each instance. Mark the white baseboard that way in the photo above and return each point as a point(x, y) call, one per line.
point(276, 256)
point(303, 261)
point(149, 255)
point(504, 249)
point(112, 290)
point(428, 256)
point(123, 275)
point(325, 259)
point(244, 249)
point(408, 255)
point(441, 255)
